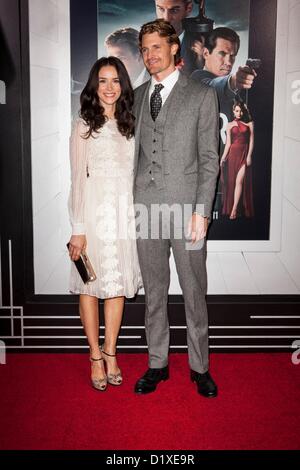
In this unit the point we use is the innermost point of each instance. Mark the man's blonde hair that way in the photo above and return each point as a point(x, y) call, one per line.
point(164, 30)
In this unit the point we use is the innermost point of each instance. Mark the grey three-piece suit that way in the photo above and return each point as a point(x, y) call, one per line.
point(176, 162)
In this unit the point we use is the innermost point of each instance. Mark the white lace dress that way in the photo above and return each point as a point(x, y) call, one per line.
point(101, 207)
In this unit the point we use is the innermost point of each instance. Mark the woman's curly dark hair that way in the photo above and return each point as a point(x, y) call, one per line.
point(91, 110)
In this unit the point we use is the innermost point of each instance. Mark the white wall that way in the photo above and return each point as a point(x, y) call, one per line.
point(272, 268)
point(50, 129)
point(290, 241)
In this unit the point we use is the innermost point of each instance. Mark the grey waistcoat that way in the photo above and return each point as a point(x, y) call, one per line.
point(151, 157)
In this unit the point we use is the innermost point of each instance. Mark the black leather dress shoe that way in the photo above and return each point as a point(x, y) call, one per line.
point(150, 379)
point(205, 384)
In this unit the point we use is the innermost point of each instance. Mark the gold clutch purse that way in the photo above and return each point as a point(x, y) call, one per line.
point(85, 268)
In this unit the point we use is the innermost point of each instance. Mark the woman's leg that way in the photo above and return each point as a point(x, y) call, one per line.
point(89, 314)
point(113, 312)
point(237, 191)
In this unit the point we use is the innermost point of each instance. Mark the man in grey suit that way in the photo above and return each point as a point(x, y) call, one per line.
point(176, 164)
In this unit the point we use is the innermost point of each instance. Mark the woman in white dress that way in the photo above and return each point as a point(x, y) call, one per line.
point(101, 210)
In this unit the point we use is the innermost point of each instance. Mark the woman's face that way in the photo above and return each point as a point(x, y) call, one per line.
point(238, 113)
point(109, 88)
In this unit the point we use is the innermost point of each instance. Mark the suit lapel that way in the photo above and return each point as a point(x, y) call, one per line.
point(177, 100)
point(183, 46)
point(140, 109)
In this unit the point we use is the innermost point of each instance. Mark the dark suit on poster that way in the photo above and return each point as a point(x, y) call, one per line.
point(226, 96)
point(176, 162)
point(188, 55)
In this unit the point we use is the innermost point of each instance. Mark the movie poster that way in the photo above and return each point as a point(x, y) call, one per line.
point(246, 38)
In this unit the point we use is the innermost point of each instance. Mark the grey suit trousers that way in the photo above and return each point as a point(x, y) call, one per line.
point(191, 269)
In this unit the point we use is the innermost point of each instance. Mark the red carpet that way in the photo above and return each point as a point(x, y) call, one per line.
point(47, 403)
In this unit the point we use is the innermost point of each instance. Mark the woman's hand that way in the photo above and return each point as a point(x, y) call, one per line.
point(223, 160)
point(77, 245)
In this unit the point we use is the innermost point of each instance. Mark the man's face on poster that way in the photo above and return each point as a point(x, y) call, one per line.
point(221, 60)
point(158, 54)
point(133, 62)
point(173, 11)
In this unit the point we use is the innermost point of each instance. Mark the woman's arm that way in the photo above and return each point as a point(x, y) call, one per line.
point(227, 145)
point(251, 144)
point(78, 163)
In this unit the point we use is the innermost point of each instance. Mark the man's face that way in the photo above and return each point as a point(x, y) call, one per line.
point(222, 58)
point(173, 11)
point(158, 55)
point(133, 62)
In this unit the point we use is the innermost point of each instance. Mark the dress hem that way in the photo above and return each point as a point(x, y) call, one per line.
point(77, 292)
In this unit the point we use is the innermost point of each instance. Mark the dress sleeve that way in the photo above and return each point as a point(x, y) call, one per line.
point(78, 162)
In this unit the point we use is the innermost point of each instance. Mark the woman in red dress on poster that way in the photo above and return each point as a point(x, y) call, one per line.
point(236, 172)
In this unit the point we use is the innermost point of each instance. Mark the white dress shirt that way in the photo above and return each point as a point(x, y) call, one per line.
point(168, 84)
point(181, 36)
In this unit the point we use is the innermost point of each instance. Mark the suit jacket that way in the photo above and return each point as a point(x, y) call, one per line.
point(190, 141)
point(188, 55)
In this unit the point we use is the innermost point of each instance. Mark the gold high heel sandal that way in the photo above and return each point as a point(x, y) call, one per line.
point(112, 379)
point(99, 384)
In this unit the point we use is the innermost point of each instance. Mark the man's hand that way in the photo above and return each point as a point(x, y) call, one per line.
point(243, 79)
point(77, 245)
point(198, 47)
point(197, 227)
